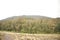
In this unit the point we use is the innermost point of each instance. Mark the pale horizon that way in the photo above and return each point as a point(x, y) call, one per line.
point(49, 8)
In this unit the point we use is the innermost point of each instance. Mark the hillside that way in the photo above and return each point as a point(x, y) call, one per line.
point(31, 24)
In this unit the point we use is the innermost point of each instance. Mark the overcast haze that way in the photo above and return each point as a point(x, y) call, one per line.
point(8, 8)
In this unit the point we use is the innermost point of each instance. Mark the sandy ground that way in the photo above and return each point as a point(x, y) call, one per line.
point(23, 36)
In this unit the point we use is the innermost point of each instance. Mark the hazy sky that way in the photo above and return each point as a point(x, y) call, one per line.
point(10, 8)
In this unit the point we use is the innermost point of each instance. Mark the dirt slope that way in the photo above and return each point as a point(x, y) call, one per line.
point(22, 36)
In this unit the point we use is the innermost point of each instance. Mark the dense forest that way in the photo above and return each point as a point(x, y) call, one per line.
point(31, 24)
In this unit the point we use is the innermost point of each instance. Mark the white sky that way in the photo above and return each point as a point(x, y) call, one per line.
point(10, 8)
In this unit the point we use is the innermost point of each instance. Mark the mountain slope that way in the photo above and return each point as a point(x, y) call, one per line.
point(31, 24)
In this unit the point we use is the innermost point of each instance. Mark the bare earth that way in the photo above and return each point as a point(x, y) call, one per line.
point(23, 36)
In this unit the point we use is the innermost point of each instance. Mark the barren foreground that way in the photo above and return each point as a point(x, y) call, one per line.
point(22, 36)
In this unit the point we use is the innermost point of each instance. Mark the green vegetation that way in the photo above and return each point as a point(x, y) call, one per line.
point(31, 25)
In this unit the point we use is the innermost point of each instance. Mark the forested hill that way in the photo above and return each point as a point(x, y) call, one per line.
point(31, 24)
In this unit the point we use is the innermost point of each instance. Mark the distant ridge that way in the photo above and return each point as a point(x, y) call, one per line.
point(27, 16)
